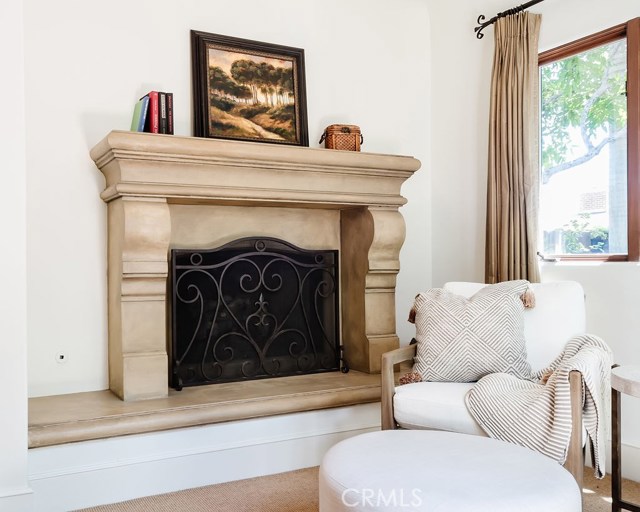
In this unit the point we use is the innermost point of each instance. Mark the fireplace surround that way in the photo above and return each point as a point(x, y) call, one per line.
point(165, 192)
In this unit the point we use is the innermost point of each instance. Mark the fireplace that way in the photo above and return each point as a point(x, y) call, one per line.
point(166, 193)
point(254, 308)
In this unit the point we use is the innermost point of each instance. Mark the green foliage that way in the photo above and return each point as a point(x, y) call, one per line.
point(285, 113)
point(220, 82)
point(223, 104)
point(587, 92)
point(219, 126)
point(250, 111)
point(284, 133)
point(579, 237)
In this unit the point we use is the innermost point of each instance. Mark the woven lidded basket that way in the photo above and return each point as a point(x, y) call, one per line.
point(346, 137)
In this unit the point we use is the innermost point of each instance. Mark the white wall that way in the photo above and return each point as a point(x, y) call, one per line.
point(460, 86)
point(366, 64)
point(14, 491)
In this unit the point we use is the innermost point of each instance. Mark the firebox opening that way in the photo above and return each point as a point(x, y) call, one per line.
point(254, 308)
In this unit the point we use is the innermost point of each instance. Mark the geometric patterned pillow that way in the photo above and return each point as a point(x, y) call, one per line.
point(463, 339)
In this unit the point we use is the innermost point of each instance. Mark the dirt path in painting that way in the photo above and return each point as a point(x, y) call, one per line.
point(252, 129)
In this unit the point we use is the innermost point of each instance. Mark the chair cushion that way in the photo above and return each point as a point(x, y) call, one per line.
point(435, 406)
point(438, 406)
point(558, 316)
point(462, 339)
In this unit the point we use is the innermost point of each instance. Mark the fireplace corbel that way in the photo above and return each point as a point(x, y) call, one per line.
point(164, 192)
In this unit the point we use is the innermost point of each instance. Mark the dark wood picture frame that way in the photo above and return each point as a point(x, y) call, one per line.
point(248, 90)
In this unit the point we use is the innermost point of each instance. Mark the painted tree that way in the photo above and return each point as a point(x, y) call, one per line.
point(265, 76)
point(219, 81)
point(245, 72)
point(242, 92)
point(285, 85)
point(223, 85)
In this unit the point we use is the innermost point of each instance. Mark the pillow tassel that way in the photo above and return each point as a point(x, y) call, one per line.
point(410, 378)
point(412, 315)
point(528, 299)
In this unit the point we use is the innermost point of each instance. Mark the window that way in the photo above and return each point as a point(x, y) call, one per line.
point(589, 120)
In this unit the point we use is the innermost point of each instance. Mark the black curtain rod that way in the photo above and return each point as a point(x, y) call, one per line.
point(482, 24)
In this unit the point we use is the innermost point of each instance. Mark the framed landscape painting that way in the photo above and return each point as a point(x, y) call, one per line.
point(248, 90)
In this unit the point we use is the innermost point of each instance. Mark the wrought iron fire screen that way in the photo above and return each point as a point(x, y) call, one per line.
point(254, 308)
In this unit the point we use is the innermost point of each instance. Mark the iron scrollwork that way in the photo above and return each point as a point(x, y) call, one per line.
point(254, 308)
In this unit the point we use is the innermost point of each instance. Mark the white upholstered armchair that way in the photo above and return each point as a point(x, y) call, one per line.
point(559, 314)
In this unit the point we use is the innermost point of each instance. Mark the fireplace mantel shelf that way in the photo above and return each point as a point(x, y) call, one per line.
point(221, 171)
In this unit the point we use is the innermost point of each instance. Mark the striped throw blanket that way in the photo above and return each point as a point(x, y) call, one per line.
point(538, 416)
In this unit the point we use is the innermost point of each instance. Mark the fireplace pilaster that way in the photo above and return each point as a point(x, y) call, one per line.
point(139, 236)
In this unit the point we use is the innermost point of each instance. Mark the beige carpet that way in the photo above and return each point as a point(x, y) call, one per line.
point(297, 491)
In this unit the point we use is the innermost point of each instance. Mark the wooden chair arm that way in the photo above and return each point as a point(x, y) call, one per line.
point(575, 453)
point(389, 359)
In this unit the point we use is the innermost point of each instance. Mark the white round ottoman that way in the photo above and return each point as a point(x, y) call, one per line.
point(437, 471)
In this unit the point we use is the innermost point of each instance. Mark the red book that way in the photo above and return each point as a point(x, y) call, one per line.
point(153, 117)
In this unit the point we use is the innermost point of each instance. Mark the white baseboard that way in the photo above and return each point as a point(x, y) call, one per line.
point(630, 461)
point(80, 475)
point(17, 500)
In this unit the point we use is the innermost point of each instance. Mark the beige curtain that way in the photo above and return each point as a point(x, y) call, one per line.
point(512, 188)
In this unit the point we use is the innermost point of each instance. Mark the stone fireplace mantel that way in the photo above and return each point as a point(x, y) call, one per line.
point(166, 191)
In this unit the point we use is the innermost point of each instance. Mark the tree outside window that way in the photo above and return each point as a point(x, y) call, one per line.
point(590, 147)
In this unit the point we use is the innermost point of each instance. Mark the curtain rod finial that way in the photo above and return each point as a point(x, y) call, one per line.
point(481, 25)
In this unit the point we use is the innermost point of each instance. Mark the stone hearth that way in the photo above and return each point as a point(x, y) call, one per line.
point(167, 192)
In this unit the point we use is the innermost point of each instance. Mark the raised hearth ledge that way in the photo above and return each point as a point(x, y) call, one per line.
point(77, 417)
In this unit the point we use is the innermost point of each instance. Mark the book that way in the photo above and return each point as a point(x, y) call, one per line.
point(159, 112)
point(140, 114)
point(162, 112)
point(152, 124)
point(170, 113)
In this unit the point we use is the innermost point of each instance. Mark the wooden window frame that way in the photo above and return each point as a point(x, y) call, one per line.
point(631, 31)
